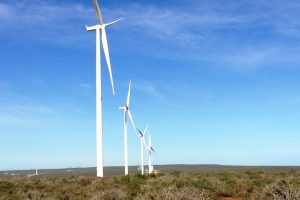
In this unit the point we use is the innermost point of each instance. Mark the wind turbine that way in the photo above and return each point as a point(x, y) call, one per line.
point(142, 134)
point(126, 110)
point(97, 28)
point(150, 150)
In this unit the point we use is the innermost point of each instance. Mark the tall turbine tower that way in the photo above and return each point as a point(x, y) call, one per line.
point(150, 150)
point(126, 110)
point(142, 138)
point(97, 28)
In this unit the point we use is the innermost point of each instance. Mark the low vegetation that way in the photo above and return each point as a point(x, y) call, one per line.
point(254, 184)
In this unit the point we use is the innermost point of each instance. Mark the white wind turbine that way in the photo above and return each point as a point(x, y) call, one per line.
point(150, 150)
point(143, 143)
point(101, 27)
point(126, 110)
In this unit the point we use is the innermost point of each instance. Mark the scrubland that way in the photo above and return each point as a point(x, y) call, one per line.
point(243, 184)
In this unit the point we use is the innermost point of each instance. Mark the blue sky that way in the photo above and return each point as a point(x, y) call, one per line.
point(217, 81)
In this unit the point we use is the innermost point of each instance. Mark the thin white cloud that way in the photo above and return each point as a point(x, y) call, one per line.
point(166, 94)
point(4, 11)
point(61, 20)
point(202, 18)
point(20, 111)
point(25, 111)
point(171, 24)
point(282, 16)
point(83, 89)
point(84, 85)
point(229, 35)
point(206, 30)
point(24, 114)
point(250, 58)
point(59, 23)
point(150, 90)
point(45, 13)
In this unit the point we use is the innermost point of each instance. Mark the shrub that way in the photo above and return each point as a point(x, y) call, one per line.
point(125, 180)
point(84, 182)
point(184, 193)
point(176, 173)
point(254, 174)
point(279, 191)
point(203, 184)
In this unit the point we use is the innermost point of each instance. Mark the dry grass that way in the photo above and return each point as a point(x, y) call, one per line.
point(254, 184)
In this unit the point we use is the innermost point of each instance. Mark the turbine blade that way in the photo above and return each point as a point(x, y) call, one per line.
point(106, 53)
point(98, 11)
point(149, 137)
point(108, 24)
point(128, 95)
point(145, 143)
point(152, 149)
point(130, 117)
point(145, 130)
point(140, 132)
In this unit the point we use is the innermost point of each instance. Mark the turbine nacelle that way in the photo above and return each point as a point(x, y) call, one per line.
point(124, 107)
point(127, 108)
point(101, 26)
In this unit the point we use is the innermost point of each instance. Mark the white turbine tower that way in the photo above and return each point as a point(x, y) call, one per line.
point(142, 138)
point(150, 150)
point(97, 28)
point(126, 110)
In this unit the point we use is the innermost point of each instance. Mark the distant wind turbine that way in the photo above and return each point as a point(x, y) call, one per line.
point(150, 150)
point(101, 26)
point(143, 143)
point(126, 110)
